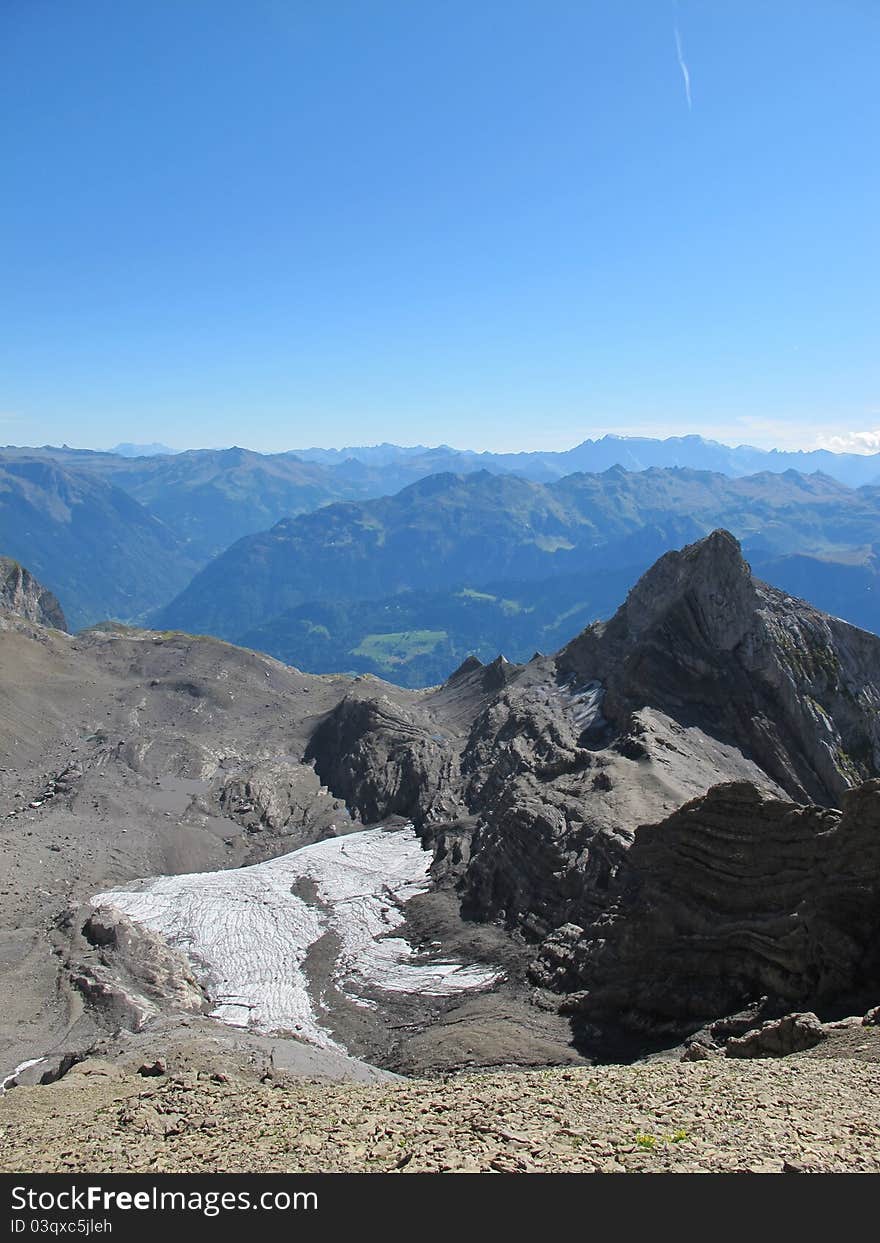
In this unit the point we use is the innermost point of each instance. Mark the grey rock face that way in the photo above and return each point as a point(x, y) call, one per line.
point(20, 593)
point(735, 895)
point(698, 638)
point(382, 759)
point(281, 798)
point(151, 964)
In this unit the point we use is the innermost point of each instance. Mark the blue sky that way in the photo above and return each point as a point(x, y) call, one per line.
point(495, 224)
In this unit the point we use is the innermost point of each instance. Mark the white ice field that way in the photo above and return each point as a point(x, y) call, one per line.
point(247, 935)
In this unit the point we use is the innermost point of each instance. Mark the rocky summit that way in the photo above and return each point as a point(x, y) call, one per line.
point(659, 843)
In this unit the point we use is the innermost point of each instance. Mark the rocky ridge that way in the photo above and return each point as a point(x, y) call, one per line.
point(21, 594)
point(532, 783)
point(700, 639)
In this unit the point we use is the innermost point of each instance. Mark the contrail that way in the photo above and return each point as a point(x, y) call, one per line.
point(685, 72)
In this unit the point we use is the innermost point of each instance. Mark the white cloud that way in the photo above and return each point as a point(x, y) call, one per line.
point(851, 442)
point(685, 72)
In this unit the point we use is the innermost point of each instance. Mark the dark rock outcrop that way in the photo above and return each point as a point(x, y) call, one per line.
point(383, 759)
point(20, 593)
point(793, 1033)
point(736, 895)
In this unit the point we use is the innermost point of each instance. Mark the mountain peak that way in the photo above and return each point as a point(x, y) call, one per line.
point(703, 593)
point(712, 576)
point(126, 449)
point(702, 641)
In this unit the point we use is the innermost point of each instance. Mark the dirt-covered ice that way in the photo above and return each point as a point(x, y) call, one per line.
point(247, 931)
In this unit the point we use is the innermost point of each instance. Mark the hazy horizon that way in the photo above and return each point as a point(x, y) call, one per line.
point(866, 446)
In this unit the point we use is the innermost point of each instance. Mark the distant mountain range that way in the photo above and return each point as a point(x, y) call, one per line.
point(90, 543)
point(407, 585)
point(377, 560)
point(208, 497)
point(631, 452)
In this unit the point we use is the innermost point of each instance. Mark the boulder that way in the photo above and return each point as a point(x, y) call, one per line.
point(794, 1033)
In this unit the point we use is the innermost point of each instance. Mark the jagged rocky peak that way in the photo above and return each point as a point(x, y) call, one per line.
point(702, 640)
point(472, 676)
point(703, 595)
point(469, 665)
point(710, 580)
point(498, 673)
point(21, 594)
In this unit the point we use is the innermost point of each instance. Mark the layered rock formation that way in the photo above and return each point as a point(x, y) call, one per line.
point(381, 756)
point(735, 896)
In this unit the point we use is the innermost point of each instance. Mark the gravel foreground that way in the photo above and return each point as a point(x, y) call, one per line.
point(797, 1115)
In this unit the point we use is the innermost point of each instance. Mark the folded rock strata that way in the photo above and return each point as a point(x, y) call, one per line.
point(735, 896)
